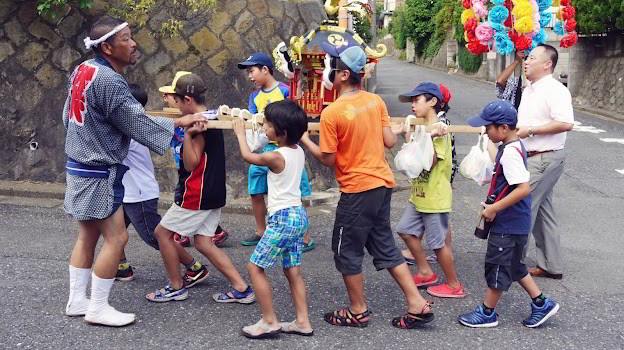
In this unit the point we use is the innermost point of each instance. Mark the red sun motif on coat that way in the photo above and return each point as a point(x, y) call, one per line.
point(82, 80)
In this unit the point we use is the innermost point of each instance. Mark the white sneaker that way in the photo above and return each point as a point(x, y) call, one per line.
point(108, 316)
point(77, 307)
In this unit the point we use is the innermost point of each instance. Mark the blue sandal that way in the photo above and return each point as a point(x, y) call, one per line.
point(234, 296)
point(167, 293)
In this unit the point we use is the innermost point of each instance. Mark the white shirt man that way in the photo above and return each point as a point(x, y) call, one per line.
point(545, 116)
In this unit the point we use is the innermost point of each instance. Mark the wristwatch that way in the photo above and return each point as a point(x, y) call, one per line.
point(531, 132)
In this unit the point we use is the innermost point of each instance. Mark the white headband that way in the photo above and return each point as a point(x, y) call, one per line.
point(93, 43)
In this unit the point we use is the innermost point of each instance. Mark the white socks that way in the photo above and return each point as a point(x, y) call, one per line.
point(99, 311)
point(78, 302)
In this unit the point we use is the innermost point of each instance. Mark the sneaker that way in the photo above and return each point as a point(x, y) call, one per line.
point(125, 275)
point(445, 291)
point(539, 315)
point(478, 319)
point(234, 296)
point(181, 240)
point(308, 246)
point(425, 281)
point(167, 294)
point(220, 237)
point(251, 240)
point(192, 278)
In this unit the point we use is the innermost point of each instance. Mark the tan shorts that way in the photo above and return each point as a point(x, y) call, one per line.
point(189, 223)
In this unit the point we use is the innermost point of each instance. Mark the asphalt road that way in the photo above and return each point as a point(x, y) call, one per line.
point(36, 239)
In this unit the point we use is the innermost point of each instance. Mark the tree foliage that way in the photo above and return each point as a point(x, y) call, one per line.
point(425, 22)
point(599, 16)
point(398, 27)
point(362, 26)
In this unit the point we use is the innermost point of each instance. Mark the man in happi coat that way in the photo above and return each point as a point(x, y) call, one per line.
point(100, 117)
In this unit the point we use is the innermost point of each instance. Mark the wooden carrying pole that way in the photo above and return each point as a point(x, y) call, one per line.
point(225, 122)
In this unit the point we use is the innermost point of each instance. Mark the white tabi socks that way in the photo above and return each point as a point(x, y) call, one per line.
point(78, 302)
point(99, 311)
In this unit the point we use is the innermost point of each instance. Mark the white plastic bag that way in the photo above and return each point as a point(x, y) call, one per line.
point(256, 138)
point(416, 155)
point(477, 165)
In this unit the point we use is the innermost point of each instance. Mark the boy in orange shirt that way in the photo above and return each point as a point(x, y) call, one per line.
point(355, 129)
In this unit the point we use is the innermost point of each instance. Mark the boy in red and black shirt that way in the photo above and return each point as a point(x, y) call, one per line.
point(199, 197)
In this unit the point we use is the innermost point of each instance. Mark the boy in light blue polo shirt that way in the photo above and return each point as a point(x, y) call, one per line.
point(259, 67)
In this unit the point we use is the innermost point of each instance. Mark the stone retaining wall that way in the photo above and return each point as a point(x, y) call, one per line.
point(597, 73)
point(36, 58)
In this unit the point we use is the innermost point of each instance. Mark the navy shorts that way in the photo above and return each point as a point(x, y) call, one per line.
point(363, 220)
point(503, 260)
point(144, 217)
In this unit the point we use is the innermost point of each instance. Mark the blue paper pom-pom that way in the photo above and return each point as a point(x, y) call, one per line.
point(540, 37)
point(545, 18)
point(499, 2)
point(558, 28)
point(498, 14)
point(498, 27)
point(504, 45)
point(543, 5)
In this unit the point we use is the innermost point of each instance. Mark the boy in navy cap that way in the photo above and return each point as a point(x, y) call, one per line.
point(427, 214)
point(510, 218)
point(259, 68)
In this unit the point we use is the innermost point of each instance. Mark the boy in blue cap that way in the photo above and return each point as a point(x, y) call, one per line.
point(510, 222)
point(427, 215)
point(259, 68)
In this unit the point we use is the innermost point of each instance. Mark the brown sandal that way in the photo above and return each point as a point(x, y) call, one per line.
point(344, 317)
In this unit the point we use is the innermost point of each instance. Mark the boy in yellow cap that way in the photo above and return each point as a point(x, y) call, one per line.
point(168, 92)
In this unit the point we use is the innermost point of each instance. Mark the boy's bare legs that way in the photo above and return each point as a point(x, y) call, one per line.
point(447, 263)
point(414, 245)
point(185, 257)
point(169, 253)
point(492, 296)
point(259, 209)
point(355, 290)
point(264, 294)
point(528, 283)
point(306, 237)
point(448, 241)
point(416, 304)
point(298, 294)
point(221, 262)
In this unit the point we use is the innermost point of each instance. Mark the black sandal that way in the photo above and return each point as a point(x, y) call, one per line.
point(411, 320)
point(344, 317)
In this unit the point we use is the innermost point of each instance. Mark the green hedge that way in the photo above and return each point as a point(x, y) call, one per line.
point(468, 62)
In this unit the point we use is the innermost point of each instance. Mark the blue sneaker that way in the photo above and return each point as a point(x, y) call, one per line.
point(478, 319)
point(234, 296)
point(167, 294)
point(539, 315)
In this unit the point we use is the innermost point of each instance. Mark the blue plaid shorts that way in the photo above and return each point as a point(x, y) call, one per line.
point(283, 238)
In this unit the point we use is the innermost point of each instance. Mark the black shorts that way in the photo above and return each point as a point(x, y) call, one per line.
point(144, 217)
point(503, 260)
point(363, 220)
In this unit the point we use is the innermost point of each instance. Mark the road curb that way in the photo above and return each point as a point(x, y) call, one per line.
point(52, 190)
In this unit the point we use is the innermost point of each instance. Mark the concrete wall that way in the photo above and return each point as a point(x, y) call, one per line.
point(36, 58)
